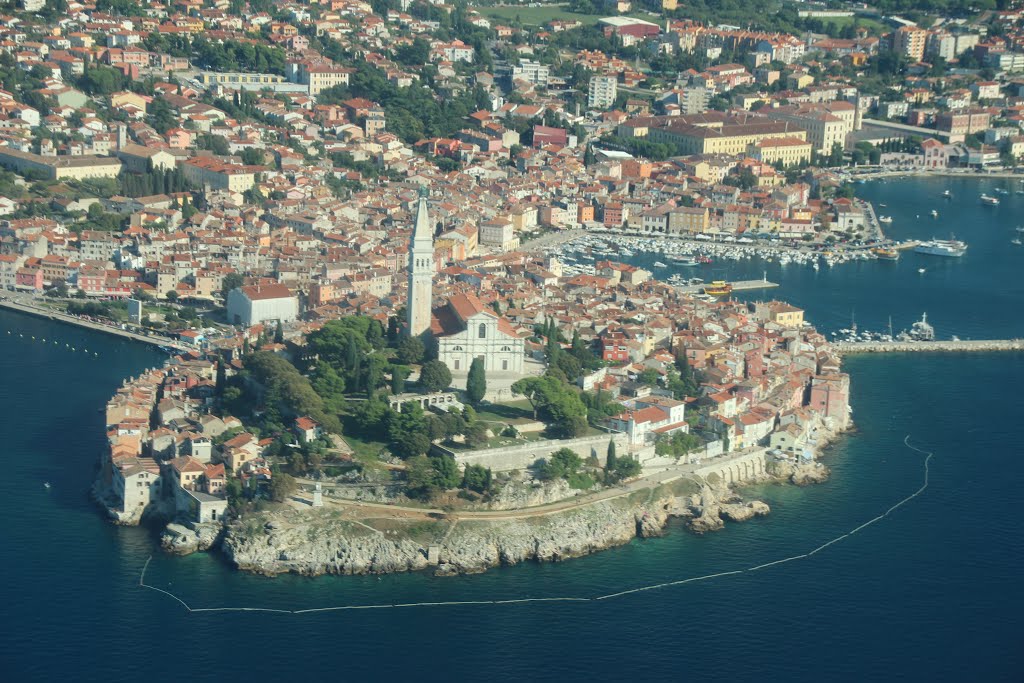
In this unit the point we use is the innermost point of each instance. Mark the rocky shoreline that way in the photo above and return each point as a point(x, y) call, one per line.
point(321, 541)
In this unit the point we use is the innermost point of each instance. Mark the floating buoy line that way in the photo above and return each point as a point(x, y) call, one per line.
point(595, 598)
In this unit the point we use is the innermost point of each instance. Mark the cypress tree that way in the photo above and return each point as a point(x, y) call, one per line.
point(279, 333)
point(612, 460)
point(476, 382)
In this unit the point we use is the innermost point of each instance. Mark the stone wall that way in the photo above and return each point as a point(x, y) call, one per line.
point(522, 456)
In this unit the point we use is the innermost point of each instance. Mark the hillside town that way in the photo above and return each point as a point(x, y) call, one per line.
point(353, 219)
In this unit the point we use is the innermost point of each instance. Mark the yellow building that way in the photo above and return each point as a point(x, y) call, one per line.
point(60, 167)
point(790, 151)
point(720, 135)
point(688, 219)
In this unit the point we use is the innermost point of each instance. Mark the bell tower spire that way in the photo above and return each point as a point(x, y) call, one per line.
point(421, 270)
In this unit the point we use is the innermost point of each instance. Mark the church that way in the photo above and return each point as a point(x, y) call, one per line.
point(464, 328)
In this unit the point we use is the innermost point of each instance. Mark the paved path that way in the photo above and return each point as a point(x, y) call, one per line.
point(646, 482)
point(27, 304)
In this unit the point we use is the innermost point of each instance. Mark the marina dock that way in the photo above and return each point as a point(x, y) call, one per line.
point(738, 286)
point(953, 346)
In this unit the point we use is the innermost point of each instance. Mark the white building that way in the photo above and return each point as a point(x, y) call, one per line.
point(603, 91)
point(466, 329)
point(259, 303)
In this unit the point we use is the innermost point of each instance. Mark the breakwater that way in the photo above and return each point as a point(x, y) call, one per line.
point(958, 345)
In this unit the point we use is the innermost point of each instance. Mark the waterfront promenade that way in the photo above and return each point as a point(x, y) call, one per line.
point(26, 305)
point(959, 345)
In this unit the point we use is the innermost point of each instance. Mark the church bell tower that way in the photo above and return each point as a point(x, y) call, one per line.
point(421, 270)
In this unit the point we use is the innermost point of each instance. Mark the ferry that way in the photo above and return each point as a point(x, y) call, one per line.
point(718, 288)
point(989, 201)
point(886, 254)
point(942, 248)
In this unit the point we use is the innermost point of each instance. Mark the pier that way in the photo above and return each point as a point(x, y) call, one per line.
point(154, 340)
point(738, 286)
point(953, 346)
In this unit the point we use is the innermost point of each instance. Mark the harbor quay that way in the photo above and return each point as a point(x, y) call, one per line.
point(930, 346)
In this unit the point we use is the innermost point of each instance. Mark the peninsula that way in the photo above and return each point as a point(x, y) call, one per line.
point(475, 433)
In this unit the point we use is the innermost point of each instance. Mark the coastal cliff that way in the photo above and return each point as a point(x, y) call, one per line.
point(319, 541)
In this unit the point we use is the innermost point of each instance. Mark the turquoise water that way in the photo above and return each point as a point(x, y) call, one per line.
point(930, 593)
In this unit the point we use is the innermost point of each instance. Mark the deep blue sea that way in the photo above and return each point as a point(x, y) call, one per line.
point(932, 592)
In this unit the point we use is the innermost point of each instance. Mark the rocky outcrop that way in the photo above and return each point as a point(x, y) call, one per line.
point(183, 540)
point(517, 495)
point(712, 508)
point(800, 473)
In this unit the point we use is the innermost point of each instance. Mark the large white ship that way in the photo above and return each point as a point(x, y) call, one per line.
point(942, 248)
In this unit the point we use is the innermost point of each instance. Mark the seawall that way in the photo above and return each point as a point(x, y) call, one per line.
point(963, 345)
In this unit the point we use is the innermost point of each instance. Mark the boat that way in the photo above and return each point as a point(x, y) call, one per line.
point(46, 484)
point(1016, 241)
point(935, 214)
point(685, 261)
point(942, 248)
point(921, 270)
point(659, 264)
point(989, 201)
point(1020, 228)
point(947, 194)
point(885, 219)
point(718, 288)
point(886, 253)
point(919, 331)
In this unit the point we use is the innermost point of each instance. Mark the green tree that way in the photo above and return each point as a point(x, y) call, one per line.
point(398, 374)
point(477, 478)
point(563, 463)
point(410, 350)
point(407, 431)
point(611, 459)
point(435, 376)
point(230, 281)
point(476, 382)
point(282, 487)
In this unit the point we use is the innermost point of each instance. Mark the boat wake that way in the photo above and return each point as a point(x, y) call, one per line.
point(596, 598)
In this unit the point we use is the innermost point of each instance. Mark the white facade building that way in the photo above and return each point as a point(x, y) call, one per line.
point(259, 303)
point(466, 329)
point(603, 91)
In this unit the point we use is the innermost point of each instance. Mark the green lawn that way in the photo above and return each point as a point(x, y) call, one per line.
point(538, 16)
point(513, 412)
point(876, 27)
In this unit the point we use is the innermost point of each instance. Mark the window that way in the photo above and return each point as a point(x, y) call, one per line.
point(504, 365)
point(482, 331)
point(456, 367)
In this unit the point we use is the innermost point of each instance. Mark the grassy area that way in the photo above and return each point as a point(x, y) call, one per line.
point(513, 412)
point(873, 25)
point(538, 16)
